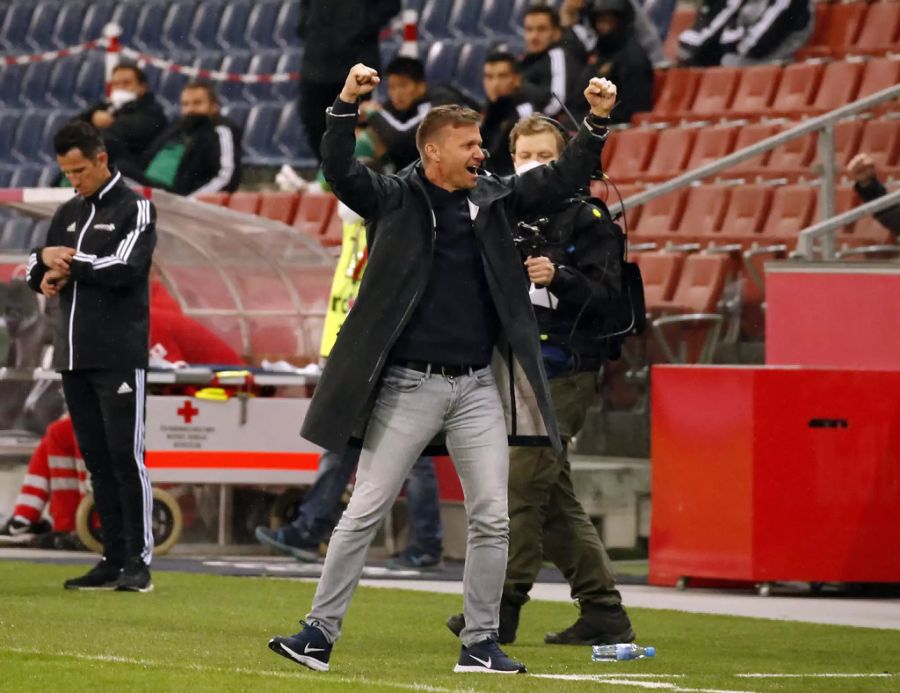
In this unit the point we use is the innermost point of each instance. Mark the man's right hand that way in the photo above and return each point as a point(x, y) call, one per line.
point(58, 257)
point(53, 282)
point(862, 169)
point(361, 80)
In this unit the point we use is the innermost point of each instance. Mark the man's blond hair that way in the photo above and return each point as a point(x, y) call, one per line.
point(535, 125)
point(440, 116)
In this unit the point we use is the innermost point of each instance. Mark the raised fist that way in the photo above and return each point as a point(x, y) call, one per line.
point(361, 80)
point(601, 95)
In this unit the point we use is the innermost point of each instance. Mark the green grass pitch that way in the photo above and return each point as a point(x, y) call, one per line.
point(208, 633)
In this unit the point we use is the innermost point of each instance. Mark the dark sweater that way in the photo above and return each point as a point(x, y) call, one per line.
point(455, 322)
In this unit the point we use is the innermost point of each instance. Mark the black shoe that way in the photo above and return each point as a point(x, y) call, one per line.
point(309, 647)
point(280, 539)
point(486, 657)
point(597, 625)
point(17, 532)
point(103, 576)
point(135, 577)
point(509, 623)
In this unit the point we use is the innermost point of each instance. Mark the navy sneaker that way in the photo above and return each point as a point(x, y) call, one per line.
point(415, 561)
point(509, 623)
point(487, 657)
point(309, 647)
point(279, 539)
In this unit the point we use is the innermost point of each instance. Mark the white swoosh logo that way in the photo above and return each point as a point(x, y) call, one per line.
point(308, 649)
point(486, 663)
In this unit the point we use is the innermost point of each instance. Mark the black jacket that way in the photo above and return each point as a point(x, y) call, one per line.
point(500, 117)
point(211, 161)
point(889, 218)
point(337, 34)
point(104, 308)
point(400, 241)
point(549, 72)
point(397, 131)
point(136, 125)
point(586, 248)
point(628, 67)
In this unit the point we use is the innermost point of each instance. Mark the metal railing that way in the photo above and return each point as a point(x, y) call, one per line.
point(823, 125)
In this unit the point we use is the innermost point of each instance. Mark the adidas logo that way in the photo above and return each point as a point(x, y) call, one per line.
point(124, 389)
point(71, 227)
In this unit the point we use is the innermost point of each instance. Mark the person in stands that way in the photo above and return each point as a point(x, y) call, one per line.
point(865, 181)
point(547, 65)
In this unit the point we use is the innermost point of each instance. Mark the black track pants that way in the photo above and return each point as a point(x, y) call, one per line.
point(107, 410)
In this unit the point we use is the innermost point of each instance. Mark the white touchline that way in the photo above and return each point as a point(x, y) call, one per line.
point(621, 680)
point(295, 676)
point(815, 676)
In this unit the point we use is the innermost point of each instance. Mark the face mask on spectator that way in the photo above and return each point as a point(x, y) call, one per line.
point(192, 123)
point(527, 166)
point(120, 97)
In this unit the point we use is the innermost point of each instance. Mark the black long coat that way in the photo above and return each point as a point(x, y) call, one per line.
point(400, 233)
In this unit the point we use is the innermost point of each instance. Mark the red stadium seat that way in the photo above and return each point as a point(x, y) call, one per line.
point(881, 140)
point(675, 96)
point(216, 198)
point(699, 286)
point(840, 82)
point(313, 213)
point(682, 20)
point(799, 82)
point(280, 337)
point(660, 217)
point(242, 201)
point(313, 286)
point(704, 212)
point(632, 154)
point(715, 93)
point(279, 206)
point(748, 206)
point(660, 272)
point(880, 32)
point(847, 134)
point(755, 91)
point(711, 145)
point(793, 208)
point(607, 193)
point(334, 231)
point(837, 27)
point(880, 73)
point(790, 160)
point(749, 135)
point(673, 147)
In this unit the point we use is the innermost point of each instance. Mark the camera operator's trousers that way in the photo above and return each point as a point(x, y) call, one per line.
point(107, 410)
point(411, 409)
point(546, 520)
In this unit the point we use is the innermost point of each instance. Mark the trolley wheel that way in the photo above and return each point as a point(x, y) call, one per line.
point(165, 516)
point(284, 509)
point(681, 584)
point(764, 589)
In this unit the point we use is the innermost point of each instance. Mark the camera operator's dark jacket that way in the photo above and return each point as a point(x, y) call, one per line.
point(586, 248)
point(400, 233)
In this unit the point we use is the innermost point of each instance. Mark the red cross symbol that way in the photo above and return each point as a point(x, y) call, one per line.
point(188, 411)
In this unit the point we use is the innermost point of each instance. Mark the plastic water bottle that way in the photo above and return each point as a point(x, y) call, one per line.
point(620, 652)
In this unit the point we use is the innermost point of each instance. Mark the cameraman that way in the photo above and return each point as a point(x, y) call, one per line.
point(575, 263)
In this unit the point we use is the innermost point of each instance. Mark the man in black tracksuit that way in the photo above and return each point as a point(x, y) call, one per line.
point(547, 65)
point(199, 153)
point(97, 260)
point(574, 259)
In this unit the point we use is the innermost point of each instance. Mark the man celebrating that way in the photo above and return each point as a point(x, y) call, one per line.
point(444, 285)
point(97, 260)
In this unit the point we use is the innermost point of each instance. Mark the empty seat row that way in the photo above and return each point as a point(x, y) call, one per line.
point(153, 26)
point(766, 91)
point(744, 215)
point(854, 28)
point(649, 155)
point(22, 234)
point(312, 213)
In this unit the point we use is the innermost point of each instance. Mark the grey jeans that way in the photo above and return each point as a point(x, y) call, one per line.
point(411, 408)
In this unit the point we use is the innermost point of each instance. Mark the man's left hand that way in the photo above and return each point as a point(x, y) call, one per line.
point(601, 95)
point(53, 282)
point(540, 270)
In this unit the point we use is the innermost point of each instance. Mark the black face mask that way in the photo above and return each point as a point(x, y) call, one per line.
point(192, 123)
point(611, 42)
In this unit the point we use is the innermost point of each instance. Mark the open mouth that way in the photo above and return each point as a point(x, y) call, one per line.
point(472, 169)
